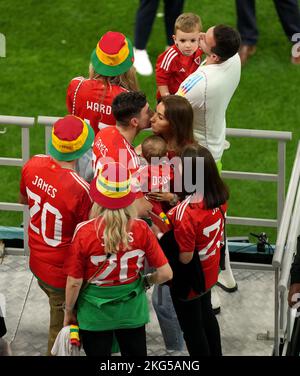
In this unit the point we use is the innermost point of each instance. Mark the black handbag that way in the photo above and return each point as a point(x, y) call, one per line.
point(2, 327)
point(185, 276)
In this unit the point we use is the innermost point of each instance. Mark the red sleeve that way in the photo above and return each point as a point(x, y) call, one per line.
point(84, 207)
point(184, 232)
point(162, 75)
point(153, 252)
point(74, 260)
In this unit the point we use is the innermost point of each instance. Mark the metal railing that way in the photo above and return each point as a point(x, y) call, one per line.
point(47, 121)
point(287, 221)
point(281, 138)
point(25, 123)
point(285, 249)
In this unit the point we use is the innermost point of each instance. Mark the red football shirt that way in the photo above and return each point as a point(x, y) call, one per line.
point(111, 146)
point(58, 200)
point(172, 68)
point(156, 178)
point(93, 100)
point(202, 229)
point(87, 253)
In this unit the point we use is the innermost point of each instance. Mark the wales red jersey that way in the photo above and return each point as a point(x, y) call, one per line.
point(87, 253)
point(111, 146)
point(91, 99)
point(172, 68)
point(156, 178)
point(58, 200)
point(202, 229)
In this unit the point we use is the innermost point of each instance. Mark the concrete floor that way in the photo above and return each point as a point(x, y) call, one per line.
point(246, 318)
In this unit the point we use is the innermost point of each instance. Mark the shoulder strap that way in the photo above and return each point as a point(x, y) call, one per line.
point(96, 272)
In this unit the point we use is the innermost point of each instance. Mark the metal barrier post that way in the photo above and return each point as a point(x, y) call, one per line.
point(25, 123)
point(276, 314)
point(281, 180)
point(47, 121)
point(287, 211)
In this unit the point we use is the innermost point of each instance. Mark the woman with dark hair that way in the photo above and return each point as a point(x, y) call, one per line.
point(173, 121)
point(198, 227)
point(215, 191)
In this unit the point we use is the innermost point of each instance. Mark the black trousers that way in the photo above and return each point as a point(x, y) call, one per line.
point(145, 16)
point(288, 13)
point(200, 327)
point(2, 326)
point(132, 342)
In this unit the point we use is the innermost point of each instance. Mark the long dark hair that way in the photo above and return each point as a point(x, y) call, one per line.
point(215, 190)
point(179, 114)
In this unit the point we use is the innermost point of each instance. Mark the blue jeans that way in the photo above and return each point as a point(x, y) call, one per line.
point(84, 166)
point(167, 318)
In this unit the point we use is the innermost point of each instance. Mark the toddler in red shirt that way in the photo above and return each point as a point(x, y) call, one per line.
point(175, 64)
point(157, 174)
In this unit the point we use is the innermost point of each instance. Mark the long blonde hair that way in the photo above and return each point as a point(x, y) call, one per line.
point(127, 80)
point(117, 226)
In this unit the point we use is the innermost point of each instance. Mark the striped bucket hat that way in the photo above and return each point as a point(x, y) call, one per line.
point(113, 54)
point(111, 189)
point(71, 138)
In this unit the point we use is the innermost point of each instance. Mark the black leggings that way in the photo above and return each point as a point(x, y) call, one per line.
point(199, 325)
point(132, 342)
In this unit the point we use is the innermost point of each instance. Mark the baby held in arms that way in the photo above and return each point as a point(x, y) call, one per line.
point(157, 175)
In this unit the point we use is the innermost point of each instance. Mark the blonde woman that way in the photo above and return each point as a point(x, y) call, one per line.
point(110, 73)
point(109, 252)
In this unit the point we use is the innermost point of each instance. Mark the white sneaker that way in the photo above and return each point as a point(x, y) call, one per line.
point(215, 301)
point(226, 279)
point(142, 63)
point(226, 145)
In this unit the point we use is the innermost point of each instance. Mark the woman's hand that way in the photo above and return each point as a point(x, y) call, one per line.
point(155, 229)
point(70, 318)
point(161, 196)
